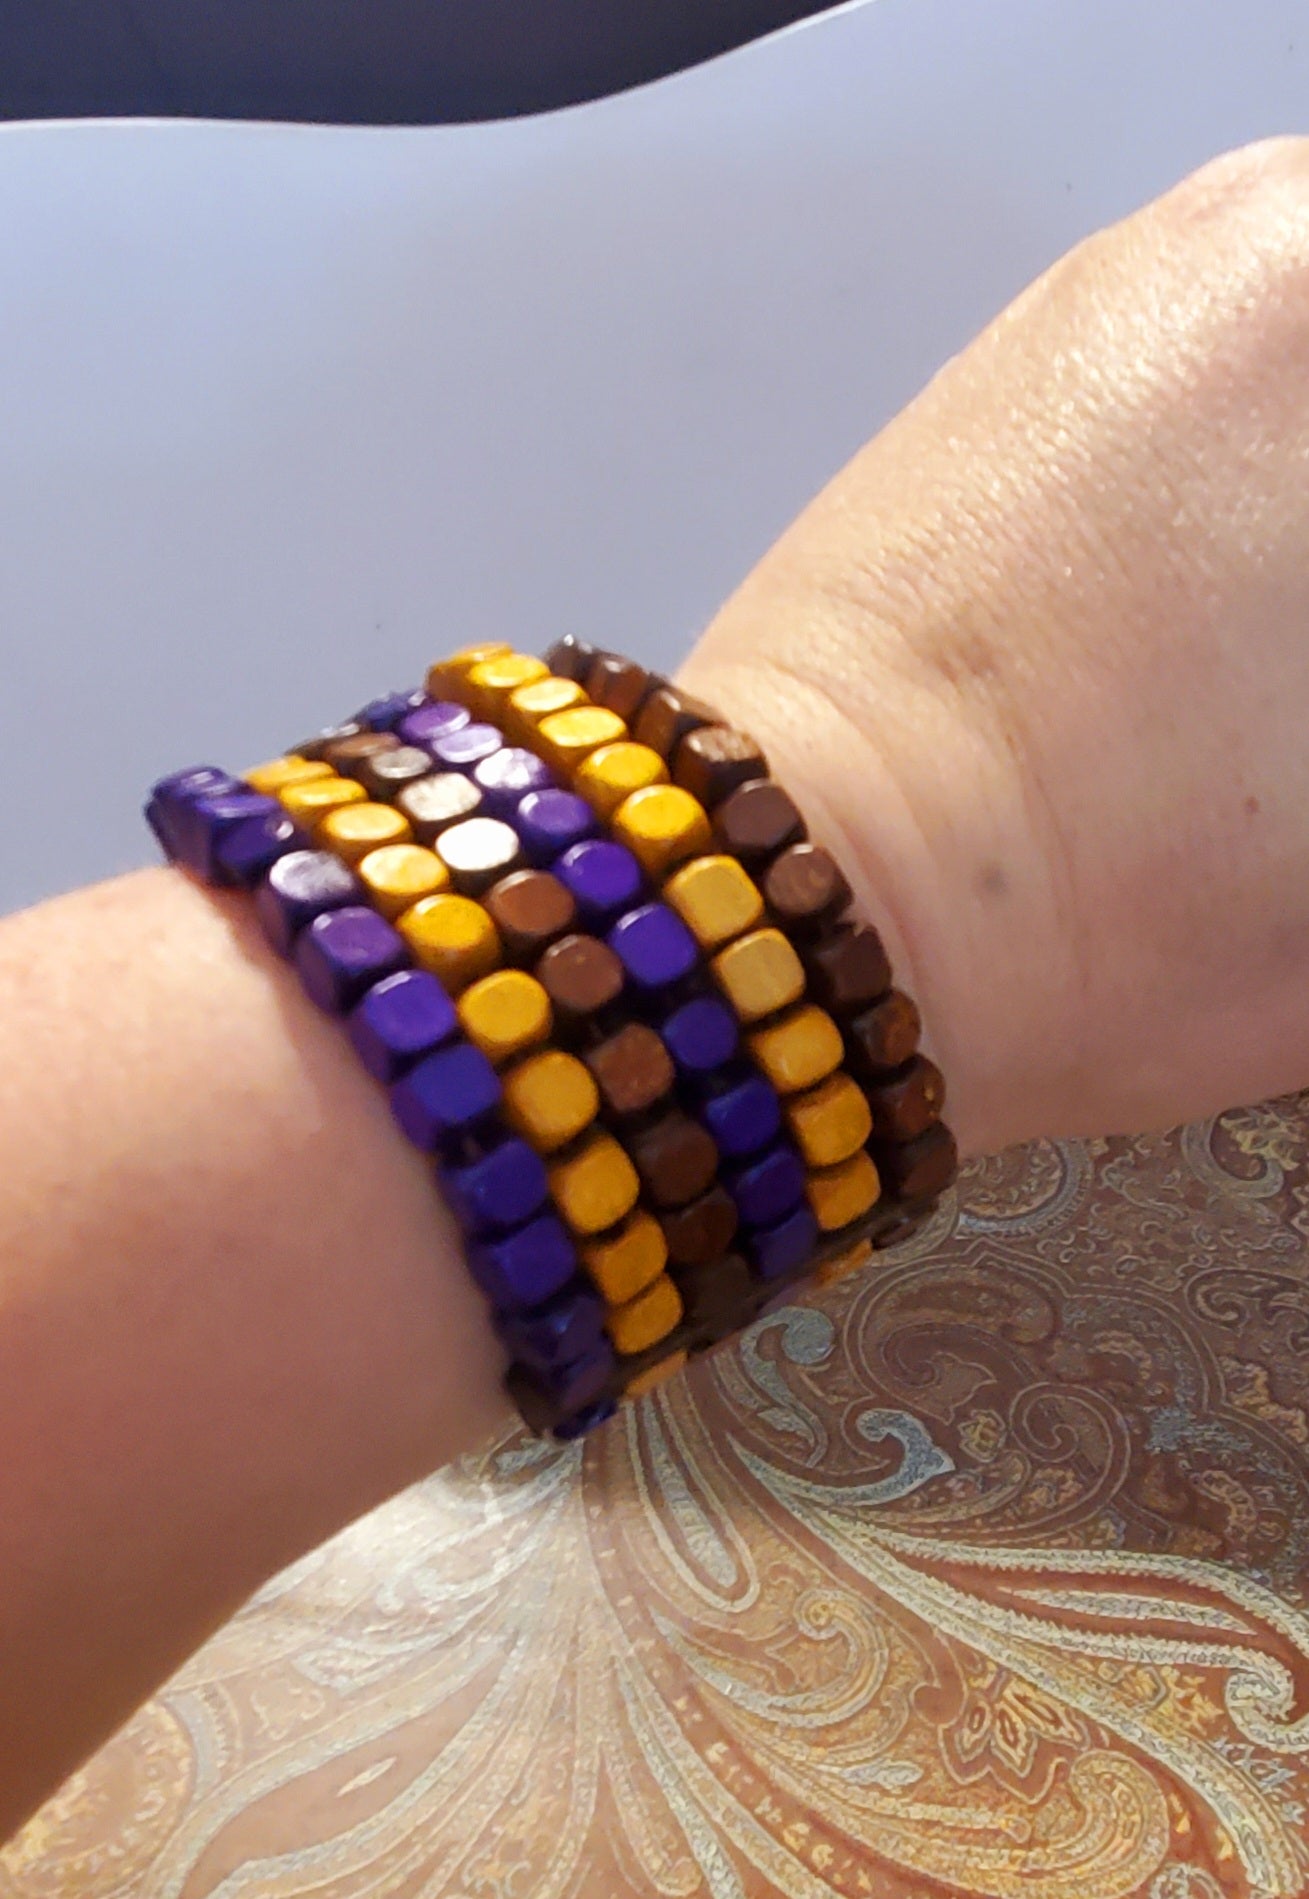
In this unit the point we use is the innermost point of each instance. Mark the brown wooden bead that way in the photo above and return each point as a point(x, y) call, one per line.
point(581, 976)
point(713, 760)
point(478, 852)
point(848, 970)
point(620, 684)
point(346, 755)
point(702, 1230)
point(806, 889)
point(756, 821)
point(676, 1159)
point(666, 718)
point(907, 1104)
point(884, 1036)
point(718, 1298)
point(571, 658)
point(316, 747)
point(632, 1069)
point(917, 1169)
point(434, 803)
point(531, 909)
point(385, 774)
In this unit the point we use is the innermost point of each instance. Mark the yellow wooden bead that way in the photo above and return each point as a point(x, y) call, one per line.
point(353, 830)
point(491, 681)
point(647, 1381)
point(715, 898)
point(447, 678)
point(759, 974)
point(528, 705)
point(662, 826)
point(830, 1121)
point(843, 1193)
point(616, 771)
point(626, 1264)
point(291, 770)
point(643, 1321)
point(398, 875)
point(799, 1050)
point(851, 1261)
point(550, 1098)
point(594, 1187)
point(566, 738)
point(505, 1013)
point(310, 801)
point(453, 937)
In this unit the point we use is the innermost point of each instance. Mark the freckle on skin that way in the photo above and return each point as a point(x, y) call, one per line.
point(992, 882)
point(1252, 807)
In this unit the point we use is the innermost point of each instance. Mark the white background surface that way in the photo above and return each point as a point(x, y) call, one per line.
point(284, 411)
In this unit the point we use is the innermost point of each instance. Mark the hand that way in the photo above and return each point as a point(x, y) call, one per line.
point(1038, 662)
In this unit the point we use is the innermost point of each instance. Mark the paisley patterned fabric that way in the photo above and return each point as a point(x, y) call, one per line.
point(985, 1573)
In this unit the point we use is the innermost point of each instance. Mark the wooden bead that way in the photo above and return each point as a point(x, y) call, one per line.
point(806, 889)
point(353, 830)
point(661, 826)
point(313, 748)
point(549, 1099)
point(702, 1230)
point(384, 775)
point(921, 1168)
point(528, 705)
point(718, 1298)
point(843, 1193)
point(655, 1375)
point(632, 1069)
point(713, 760)
point(594, 1187)
point(613, 773)
point(310, 801)
point(628, 1261)
point(666, 717)
point(566, 738)
point(346, 755)
point(571, 658)
point(505, 1013)
point(620, 684)
point(848, 970)
point(829, 1271)
point(676, 1159)
point(715, 898)
point(908, 1103)
point(759, 974)
point(491, 681)
point(582, 977)
point(531, 909)
point(756, 822)
point(273, 777)
point(885, 1036)
point(446, 678)
point(434, 803)
point(478, 852)
point(651, 1316)
point(799, 1050)
point(399, 875)
point(453, 937)
point(830, 1122)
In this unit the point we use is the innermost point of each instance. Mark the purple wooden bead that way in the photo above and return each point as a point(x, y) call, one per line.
point(701, 1035)
point(524, 1268)
point(768, 1187)
point(654, 946)
point(429, 722)
point(299, 887)
point(553, 1400)
point(745, 1117)
point(445, 1094)
point(462, 749)
point(384, 714)
point(783, 1249)
point(566, 1328)
point(201, 821)
point(496, 1193)
point(194, 782)
point(400, 1019)
point(344, 953)
point(246, 850)
point(508, 775)
point(604, 877)
point(551, 822)
point(584, 1420)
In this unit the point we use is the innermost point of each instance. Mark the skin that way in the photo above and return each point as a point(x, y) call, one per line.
point(1035, 665)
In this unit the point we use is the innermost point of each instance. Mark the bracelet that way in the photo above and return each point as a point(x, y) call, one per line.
point(615, 994)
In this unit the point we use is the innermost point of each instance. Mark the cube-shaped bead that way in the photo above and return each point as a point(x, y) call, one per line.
point(566, 1328)
point(299, 887)
point(759, 974)
point(550, 822)
point(530, 1265)
point(715, 898)
point(244, 851)
point(453, 937)
point(488, 684)
point(784, 1249)
point(718, 1297)
point(311, 801)
point(385, 713)
point(768, 1187)
point(611, 774)
point(400, 1019)
point(830, 1122)
point(650, 1316)
point(566, 738)
point(662, 826)
point(627, 1261)
point(493, 1195)
point(505, 778)
point(596, 1186)
point(531, 909)
point(802, 1048)
point(700, 1035)
point(843, 1193)
point(756, 821)
point(444, 1095)
point(528, 705)
point(744, 1117)
point(550, 1098)
point(568, 1401)
point(342, 954)
point(702, 1230)
point(397, 876)
point(468, 745)
point(354, 830)
point(632, 1069)
point(650, 1377)
point(675, 1157)
point(505, 1013)
point(431, 722)
point(434, 803)
point(450, 675)
point(603, 877)
point(478, 852)
point(289, 770)
point(195, 824)
point(654, 946)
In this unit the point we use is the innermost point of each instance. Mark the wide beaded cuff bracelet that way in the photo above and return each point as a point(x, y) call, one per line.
point(613, 990)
